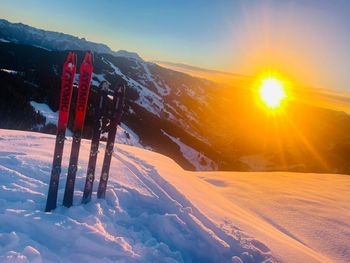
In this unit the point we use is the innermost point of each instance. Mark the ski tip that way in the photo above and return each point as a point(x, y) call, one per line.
point(88, 59)
point(119, 89)
point(71, 58)
point(104, 86)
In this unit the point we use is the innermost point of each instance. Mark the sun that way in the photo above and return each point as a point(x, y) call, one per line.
point(272, 92)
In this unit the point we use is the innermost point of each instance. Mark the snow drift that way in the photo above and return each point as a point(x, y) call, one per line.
point(156, 212)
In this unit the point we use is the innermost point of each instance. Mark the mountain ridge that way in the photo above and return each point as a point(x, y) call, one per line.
point(24, 34)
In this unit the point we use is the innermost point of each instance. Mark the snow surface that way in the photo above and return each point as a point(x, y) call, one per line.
point(156, 212)
point(305, 217)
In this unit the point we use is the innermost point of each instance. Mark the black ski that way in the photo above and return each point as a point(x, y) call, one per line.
point(81, 105)
point(95, 141)
point(118, 102)
point(67, 80)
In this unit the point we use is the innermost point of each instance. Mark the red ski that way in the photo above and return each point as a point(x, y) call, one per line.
point(81, 105)
point(67, 79)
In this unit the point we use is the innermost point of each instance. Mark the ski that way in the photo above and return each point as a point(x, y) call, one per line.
point(81, 104)
point(118, 101)
point(67, 79)
point(90, 176)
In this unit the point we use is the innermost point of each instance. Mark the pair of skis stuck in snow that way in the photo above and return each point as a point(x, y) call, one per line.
point(115, 118)
point(67, 80)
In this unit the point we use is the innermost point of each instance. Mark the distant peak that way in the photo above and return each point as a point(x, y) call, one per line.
point(23, 34)
point(127, 54)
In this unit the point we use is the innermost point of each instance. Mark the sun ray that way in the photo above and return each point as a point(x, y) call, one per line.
point(308, 145)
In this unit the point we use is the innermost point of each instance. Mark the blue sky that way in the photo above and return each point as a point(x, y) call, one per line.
point(306, 40)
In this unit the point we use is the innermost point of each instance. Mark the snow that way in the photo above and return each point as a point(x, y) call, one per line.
point(44, 109)
point(76, 79)
point(197, 159)
point(41, 47)
point(155, 211)
point(148, 99)
point(127, 136)
point(124, 134)
point(24, 34)
point(31, 83)
point(97, 79)
point(192, 116)
point(9, 71)
point(301, 217)
point(163, 91)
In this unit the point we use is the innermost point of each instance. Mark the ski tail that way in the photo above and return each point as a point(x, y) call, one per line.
point(118, 102)
point(67, 79)
point(90, 176)
point(86, 68)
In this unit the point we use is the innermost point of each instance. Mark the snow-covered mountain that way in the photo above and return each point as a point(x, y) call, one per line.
point(23, 34)
point(155, 211)
point(155, 95)
point(201, 124)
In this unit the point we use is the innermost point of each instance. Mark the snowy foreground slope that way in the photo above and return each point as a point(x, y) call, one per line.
point(156, 212)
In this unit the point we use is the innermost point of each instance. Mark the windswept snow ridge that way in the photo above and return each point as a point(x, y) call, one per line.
point(143, 219)
point(156, 212)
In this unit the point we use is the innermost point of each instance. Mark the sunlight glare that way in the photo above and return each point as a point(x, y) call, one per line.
point(272, 92)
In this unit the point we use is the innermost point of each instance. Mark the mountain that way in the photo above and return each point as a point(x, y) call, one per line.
point(155, 107)
point(24, 34)
point(201, 124)
point(155, 211)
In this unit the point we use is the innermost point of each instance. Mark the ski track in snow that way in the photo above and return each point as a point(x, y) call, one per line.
point(142, 219)
point(202, 234)
point(155, 211)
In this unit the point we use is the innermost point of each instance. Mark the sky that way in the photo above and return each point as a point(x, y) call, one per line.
point(308, 41)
